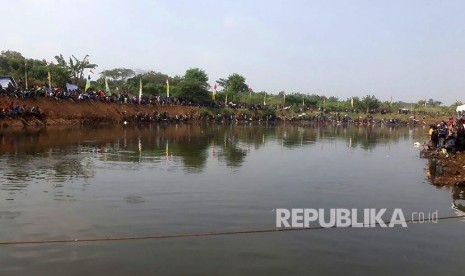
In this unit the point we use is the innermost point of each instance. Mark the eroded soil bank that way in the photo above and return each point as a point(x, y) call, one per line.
point(67, 112)
point(445, 169)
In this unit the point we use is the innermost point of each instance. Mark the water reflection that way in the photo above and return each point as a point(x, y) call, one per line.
point(162, 180)
point(435, 169)
point(458, 199)
point(60, 155)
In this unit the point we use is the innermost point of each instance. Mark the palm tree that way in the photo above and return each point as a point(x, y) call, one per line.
point(75, 68)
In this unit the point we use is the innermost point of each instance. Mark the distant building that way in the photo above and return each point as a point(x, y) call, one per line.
point(5, 82)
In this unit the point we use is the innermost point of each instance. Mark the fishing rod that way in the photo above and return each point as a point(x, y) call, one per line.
point(203, 234)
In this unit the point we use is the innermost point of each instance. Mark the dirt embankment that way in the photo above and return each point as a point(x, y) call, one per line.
point(67, 112)
point(446, 169)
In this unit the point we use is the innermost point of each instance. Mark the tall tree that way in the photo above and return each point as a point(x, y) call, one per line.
point(12, 64)
point(153, 82)
point(117, 77)
point(194, 86)
point(369, 103)
point(75, 67)
point(118, 74)
point(237, 84)
point(234, 84)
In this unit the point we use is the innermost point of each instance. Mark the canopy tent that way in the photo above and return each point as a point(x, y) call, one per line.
point(460, 108)
point(5, 81)
point(71, 87)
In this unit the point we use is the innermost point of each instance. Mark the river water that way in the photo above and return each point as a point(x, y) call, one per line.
point(133, 181)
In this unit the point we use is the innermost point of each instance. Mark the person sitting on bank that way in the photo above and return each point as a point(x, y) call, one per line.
point(442, 134)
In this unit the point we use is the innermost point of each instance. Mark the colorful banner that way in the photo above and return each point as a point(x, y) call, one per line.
point(140, 90)
point(167, 88)
point(49, 81)
point(214, 92)
point(107, 88)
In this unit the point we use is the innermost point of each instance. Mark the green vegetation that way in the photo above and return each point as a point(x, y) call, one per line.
point(234, 86)
point(193, 86)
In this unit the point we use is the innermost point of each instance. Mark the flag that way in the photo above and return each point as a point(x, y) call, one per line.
point(87, 83)
point(167, 88)
point(49, 81)
point(107, 88)
point(214, 92)
point(140, 90)
point(250, 92)
point(264, 99)
point(25, 72)
point(352, 102)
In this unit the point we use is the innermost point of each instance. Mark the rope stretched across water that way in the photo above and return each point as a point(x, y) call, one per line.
point(203, 234)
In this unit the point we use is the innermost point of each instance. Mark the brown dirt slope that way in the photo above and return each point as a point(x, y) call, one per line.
point(446, 169)
point(67, 112)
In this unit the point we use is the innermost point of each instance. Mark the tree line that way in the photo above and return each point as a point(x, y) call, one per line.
point(192, 86)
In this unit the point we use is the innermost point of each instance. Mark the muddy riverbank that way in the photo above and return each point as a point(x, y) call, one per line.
point(445, 169)
point(66, 112)
point(58, 112)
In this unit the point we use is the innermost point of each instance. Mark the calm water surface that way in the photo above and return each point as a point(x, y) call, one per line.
point(159, 180)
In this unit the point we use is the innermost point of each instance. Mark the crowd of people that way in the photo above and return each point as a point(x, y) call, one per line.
point(448, 135)
point(89, 96)
point(123, 98)
point(268, 112)
point(16, 111)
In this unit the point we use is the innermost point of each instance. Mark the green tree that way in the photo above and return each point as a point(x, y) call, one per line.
point(234, 84)
point(313, 100)
point(118, 74)
point(433, 103)
point(294, 99)
point(37, 71)
point(370, 102)
point(333, 99)
point(12, 64)
point(117, 77)
point(77, 67)
point(237, 84)
point(193, 86)
point(223, 83)
point(60, 76)
point(153, 83)
point(73, 70)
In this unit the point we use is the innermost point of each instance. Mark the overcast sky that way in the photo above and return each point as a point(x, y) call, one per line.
point(409, 50)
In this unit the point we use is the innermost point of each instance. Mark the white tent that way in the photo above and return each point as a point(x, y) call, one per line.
point(5, 81)
point(71, 87)
point(460, 108)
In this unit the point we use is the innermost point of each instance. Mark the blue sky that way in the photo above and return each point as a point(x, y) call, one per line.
point(409, 50)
